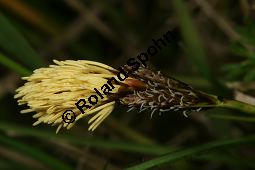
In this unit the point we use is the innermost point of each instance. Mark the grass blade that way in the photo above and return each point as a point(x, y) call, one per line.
point(14, 43)
point(34, 152)
point(193, 45)
point(230, 159)
point(181, 154)
point(14, 66)
point(98, 143)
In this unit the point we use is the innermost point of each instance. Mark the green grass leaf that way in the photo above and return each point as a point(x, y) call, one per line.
point(230, 159)
point(34, 152)
point(14, 66)
point(193, 45)
point(184, 153)
point(82, 141)
point(12, 42)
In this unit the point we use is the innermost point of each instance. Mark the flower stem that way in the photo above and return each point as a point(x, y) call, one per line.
point(238, 105)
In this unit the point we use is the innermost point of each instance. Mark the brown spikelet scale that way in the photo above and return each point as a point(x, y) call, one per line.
point(164, 93)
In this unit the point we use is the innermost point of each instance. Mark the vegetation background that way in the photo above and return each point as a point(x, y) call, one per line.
point(216, 54)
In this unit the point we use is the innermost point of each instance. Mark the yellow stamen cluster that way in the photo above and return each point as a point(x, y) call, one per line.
point(50, 91)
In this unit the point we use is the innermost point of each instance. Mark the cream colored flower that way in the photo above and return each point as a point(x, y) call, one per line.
point(49, 92)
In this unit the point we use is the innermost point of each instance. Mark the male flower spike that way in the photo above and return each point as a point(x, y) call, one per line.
point(49, 92)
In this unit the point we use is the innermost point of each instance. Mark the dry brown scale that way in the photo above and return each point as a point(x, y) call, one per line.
point(162, 93)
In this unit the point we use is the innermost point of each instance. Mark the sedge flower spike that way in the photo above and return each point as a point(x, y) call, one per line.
point(49, 92)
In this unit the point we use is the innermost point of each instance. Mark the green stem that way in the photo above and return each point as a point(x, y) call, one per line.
point(234, 104)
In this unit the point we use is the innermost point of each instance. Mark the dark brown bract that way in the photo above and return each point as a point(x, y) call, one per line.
point(163, 93)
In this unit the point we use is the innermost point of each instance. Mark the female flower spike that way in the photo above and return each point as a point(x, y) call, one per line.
point(51, 91)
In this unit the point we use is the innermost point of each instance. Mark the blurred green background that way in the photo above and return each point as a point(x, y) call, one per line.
point(215, 53)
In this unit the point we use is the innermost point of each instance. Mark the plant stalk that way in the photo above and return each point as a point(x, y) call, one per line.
point(238, 105)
